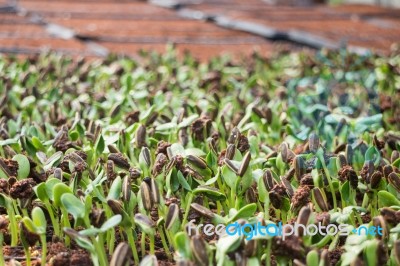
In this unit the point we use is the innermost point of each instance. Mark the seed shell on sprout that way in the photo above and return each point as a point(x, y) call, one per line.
point(245, 164)
point(172, 215)
point(121, 255)
point(322, 204)
point(145, 194)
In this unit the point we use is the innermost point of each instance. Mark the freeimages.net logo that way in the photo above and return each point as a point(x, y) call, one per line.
point(249, 231)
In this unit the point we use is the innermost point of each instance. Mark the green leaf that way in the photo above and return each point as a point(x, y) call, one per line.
point(58, 191)
point(210, 192)
point(245, 212)
point(23, 166)
point(182, 245)
point(312, 258)
point(90, 231)
point(369, 120)
point(262, 190)
point(115, 189)
point(228, 243)
point(111, 223)
point(50, 184)
point(81, 240)
point(396, 163)
point(370, 252)
point(100, 145)
point(5, 201)
point(29, 225)
point(74, 135)
point(73, 205)
point(195, 152)
point(9, 141)
point(39, 220)
point(229, 176)
point(40, 191)
point(212, 180)
point(285, 204)
point(187, 121)
point(385, 199)
point(345, 191)
point(183, 181)
point(247, 179)
point(253, 261)
point(37, 143)
point(178, 149)
point(166, 127)
point(372, 154)
point(211, 160)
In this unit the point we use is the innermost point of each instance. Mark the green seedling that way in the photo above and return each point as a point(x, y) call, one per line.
point(182, 246)
point(42, 192)
point(86, 243)
point(147, 227)
point(2, 262)
point(7, 203)
point(23, 166)
point(97, 236)
point(38, 226)
point(136, 148)
point(25, 245)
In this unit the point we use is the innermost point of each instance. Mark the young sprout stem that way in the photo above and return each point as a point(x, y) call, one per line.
point(232, 198)
point(374, 204)
point(365, 201)
point(2, 262)
point(334, 242)
point(52, 218)
point(221, 187)
point(67, 224)
point(27, 256)
point(102, 257)
point(219, 207)
point(143, 244)
point(25, 212)
point(187, 209)
point(324, 241)
point(328, 176)
point(357, 215)
point(13, 225)
point(110, 234)
point(284, 216)
point(132, 244)
point(266, 208)
point(44, 248)
point(151, 244)
point(268, 253)
point(16, 210)
point(164, 243)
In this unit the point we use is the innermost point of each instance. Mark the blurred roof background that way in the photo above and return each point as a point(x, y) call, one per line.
point(204, 27)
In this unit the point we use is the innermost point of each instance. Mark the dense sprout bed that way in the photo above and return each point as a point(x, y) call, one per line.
point(106, 161)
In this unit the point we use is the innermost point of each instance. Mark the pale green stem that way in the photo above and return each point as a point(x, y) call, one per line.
point(328, 176)
point(143, 244)
point(151, 244)
point(187, 209)
point(13, 225)
point(52, 218)
point(2, 262)
point(44, 249)
point(131, 242)
point(164, 243)
point(268, 253)
point(66, 224)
